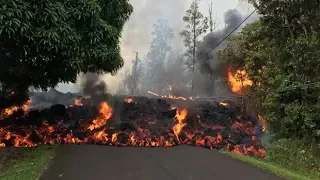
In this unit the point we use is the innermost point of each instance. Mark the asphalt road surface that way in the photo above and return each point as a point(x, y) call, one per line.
point(90, 162)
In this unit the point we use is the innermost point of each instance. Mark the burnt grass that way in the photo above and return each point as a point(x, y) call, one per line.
point(204, 119)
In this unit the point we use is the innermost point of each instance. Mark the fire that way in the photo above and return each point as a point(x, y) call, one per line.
point(238, 81)
point(263, 123)
point(128, 100)
point(238, 149)
point(180, 117)
point(77, 102)
point(9, 111)
point(151, 125)
point(224, 104)
point(171, 96)
point(105, 113)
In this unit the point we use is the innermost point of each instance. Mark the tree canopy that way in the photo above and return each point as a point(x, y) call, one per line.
point(46, 42)
point(281, 54)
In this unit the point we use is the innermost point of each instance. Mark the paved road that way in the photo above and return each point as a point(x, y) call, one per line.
point(89, 162)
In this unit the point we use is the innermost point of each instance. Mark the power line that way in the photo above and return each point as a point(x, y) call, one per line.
point(231, 12)
point(218, 44)
point(234, 9)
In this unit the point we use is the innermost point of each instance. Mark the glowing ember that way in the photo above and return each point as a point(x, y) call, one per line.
point(170, 96)
point(77, 102)
point(9, 111)
point(263, 123)
point(224, 104)
point(238, 81)
point(128, 100)
point(105, 114)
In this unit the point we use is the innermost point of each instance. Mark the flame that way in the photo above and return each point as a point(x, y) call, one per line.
point(263, 123)
point(224, 104)
point(100, 136)
point(238, 81)
point(128, 100)
point(146, 131)
point(77, 102)
point(9, 111)
point(180, 117)
point(105, 113)
point(171, 96)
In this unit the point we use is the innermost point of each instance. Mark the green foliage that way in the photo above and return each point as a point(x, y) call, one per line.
point(295, 155)
point(281, 60)
point(46, 42)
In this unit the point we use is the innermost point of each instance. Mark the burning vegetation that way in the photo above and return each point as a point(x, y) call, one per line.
point(238, 81)
point(135, 121)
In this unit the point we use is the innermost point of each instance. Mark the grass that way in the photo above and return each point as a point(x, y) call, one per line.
point(24, 163)
point(274, 168)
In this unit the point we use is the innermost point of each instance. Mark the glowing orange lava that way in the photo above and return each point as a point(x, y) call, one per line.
point(9, 111)
point(171, 96)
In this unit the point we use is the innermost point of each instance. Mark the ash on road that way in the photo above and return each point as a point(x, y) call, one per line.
point(92, 162)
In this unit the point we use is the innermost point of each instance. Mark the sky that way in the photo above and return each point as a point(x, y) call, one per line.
point(136, 35)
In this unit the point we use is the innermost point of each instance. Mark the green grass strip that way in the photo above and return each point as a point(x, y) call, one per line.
point(30, 165)
point(272, 168)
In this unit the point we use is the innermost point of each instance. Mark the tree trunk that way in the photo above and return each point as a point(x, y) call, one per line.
point(193, 52)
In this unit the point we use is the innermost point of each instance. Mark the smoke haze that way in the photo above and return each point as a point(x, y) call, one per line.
point(136, 36)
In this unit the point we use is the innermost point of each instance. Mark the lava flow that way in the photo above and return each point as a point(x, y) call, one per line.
point(136, 121)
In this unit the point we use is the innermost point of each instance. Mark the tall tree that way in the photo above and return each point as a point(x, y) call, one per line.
point(132, 80)
point(281, 54)
point(159, 53)
point(197, 25)
point(213, 22)
point(46, 42)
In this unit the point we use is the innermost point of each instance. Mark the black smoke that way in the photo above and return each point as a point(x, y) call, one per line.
point(209, 64)
point(93, 86)
point(211, 76)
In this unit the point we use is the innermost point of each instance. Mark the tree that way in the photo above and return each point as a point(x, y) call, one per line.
point(158, 55)
point(197, 25)
point(43, 43)
point(282, 58)
point(132, 80)
point(213, 22)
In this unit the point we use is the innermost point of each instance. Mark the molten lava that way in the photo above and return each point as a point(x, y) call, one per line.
point(238, 81)
point(146, 122)
point(171, 96)
point(9, 111)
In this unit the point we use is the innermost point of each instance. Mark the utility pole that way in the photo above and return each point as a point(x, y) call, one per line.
point(134, 75)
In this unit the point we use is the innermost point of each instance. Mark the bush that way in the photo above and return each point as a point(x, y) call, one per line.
point(295, 155)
